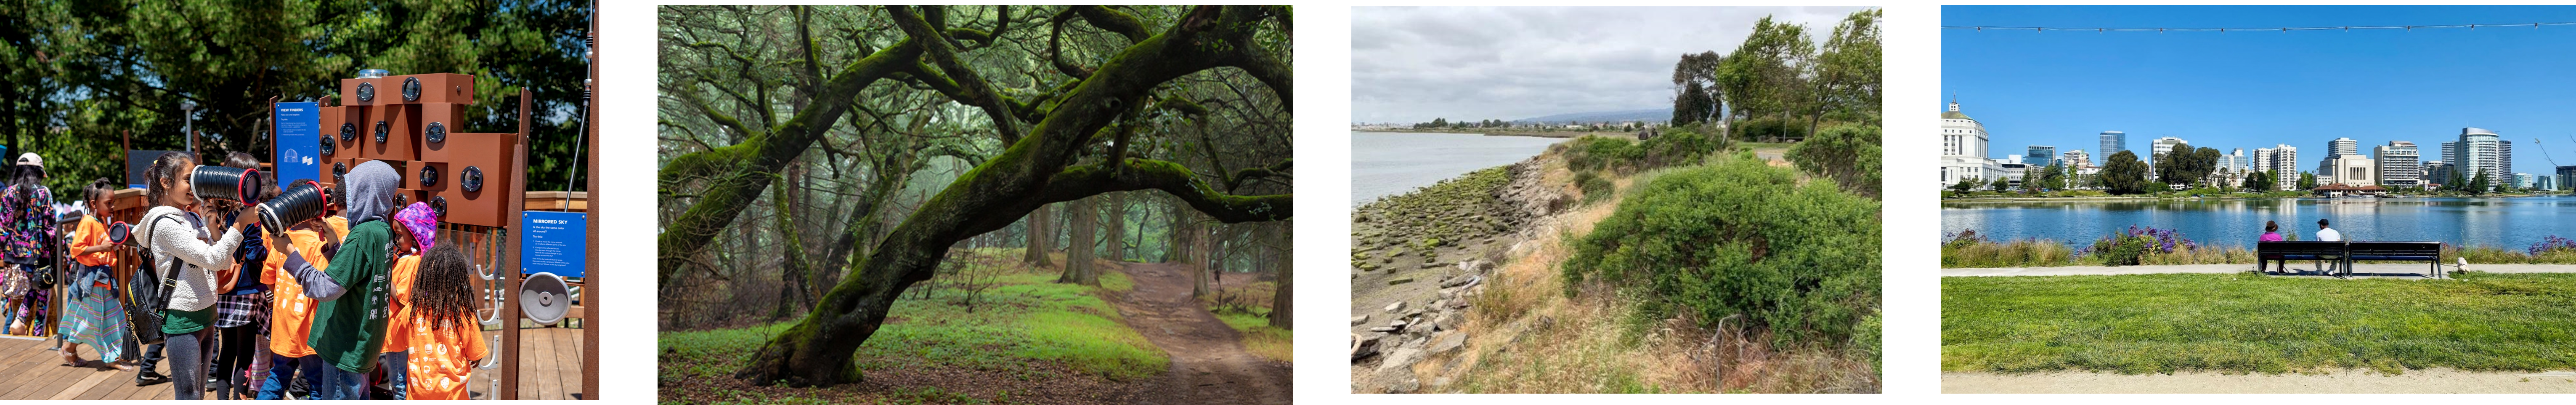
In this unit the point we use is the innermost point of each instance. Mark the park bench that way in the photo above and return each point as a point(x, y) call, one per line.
point(2284, 251)
point(2428, 252)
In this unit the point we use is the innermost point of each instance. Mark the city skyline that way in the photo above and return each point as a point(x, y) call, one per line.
point(2252, 90)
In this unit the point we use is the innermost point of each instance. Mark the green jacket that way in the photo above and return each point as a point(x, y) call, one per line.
point(349, 331)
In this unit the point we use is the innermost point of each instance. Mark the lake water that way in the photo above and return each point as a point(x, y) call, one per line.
point(2511, 223)
point(1388, 163)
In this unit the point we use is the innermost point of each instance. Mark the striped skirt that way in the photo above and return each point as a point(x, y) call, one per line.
point(96, 320)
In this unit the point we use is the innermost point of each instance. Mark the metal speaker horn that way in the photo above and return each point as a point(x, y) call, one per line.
point(471, 180)
point(428, 176)
point(328, 145)
point(411, 89)
point(437, 132)
point(120, 233)
point(367, 91)
point(348, 132)
point(545, 298)
point(300, 203)
point(384, 131)
point(224, 183)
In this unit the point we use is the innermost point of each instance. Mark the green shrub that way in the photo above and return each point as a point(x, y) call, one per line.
point(1599, 153)
point(1770, 129)
point(1595, 187)
point(1742, 237)
point(1678, 146)
point(1849, 154)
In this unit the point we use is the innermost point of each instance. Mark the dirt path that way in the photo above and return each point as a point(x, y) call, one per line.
point(1209, 365)
point(2413, 381)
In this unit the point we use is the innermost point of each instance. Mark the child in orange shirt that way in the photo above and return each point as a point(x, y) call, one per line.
point(95, 317)
point(445, 340)
point(289, 355)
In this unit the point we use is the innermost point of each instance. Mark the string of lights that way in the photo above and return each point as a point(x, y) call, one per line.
point(1983, 28)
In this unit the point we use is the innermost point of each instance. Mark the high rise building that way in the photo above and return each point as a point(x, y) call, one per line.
point(2398, 164)
point(2040, 156)
point(2162, 146)
point(2350, 170)
point(2437, 172)
point(2343, 146)
point(1963, 149)
point(2567, 178)
point(2283, 162)
point(2113, 142)
point(2481, 151)
point(2077, 158)
point(2522, 180)
point(2546, 183)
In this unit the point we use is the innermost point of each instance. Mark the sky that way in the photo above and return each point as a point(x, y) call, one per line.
point(2254, 89)
point(1470, 63)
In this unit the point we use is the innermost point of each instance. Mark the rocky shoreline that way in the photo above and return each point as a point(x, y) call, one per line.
point(1417, 258)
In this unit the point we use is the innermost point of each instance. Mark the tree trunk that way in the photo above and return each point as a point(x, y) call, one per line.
point(1031, 171)
point(1280, 299)
point(1186, 248)
point(1078, 252)
point(1041, 234)
point(1115, 218)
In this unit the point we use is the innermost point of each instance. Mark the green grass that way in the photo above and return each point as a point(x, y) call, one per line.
point(2047, 253)
point(2239, 323)
point(1026, 318)
point(1259, 338)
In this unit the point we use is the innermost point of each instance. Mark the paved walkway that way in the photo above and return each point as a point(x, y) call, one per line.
point(2393, 269)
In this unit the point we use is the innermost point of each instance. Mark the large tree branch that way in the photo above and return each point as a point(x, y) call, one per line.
point(727, 196)
point(972, 85)
point(1113, 21)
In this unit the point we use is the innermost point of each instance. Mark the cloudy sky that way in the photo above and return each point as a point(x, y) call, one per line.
point(1415, 64)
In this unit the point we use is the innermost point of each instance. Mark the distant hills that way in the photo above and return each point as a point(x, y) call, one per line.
point(1658, 114)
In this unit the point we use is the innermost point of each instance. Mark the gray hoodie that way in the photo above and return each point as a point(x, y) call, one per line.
point(371, 192)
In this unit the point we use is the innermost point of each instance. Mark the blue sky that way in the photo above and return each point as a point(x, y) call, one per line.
point(2256, 89)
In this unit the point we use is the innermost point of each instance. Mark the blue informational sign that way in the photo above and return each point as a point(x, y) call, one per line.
point(299, 142)
point(554, 242)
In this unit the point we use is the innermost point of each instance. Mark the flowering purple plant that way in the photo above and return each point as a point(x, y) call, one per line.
point(2551, 243)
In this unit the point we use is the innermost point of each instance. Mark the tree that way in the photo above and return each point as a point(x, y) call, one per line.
point(2204, 163)
point(1125, 94)
point(2478, 183)
point(2307, 181)
point(1695, 98)
point(1759, 77)
point(1848, 72)
point(2001, 183)
point(2123, 174)
point(1966, 184)
point(1041, 236)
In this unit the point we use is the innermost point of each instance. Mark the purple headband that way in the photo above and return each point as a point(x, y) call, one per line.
point(421, 221)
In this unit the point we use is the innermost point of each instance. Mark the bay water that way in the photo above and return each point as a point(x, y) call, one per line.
point(1392, 163)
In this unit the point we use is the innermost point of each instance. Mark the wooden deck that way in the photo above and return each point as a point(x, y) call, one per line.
point(29, 370)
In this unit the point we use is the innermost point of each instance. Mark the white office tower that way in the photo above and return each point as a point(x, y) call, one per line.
point(2112, 143)
point(2522, 180)
point(2283, 162)
point(2481, 151)
point(2350, 170)
point(2076, 158)
point(1963, 148)
point(2398, 165)
point(2342, 146)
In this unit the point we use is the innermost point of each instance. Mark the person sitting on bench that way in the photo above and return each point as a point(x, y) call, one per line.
point(2329, 235)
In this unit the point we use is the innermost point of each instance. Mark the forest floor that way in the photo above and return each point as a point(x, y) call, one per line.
point(1209, 361)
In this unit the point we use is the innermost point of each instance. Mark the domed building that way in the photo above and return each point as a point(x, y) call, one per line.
point(1963, 149)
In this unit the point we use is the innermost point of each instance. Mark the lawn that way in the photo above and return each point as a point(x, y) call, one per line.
point(2241, 323)
point(1025, 318)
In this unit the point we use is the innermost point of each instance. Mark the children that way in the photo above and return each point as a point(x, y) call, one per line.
point(96, 318)
point(348, 329)
point(180, 248)
point(291, 311)
point(445, 341)
point(420, 224)
point(239, 307)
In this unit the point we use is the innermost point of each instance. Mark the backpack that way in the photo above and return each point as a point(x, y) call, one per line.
point(148, 292)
